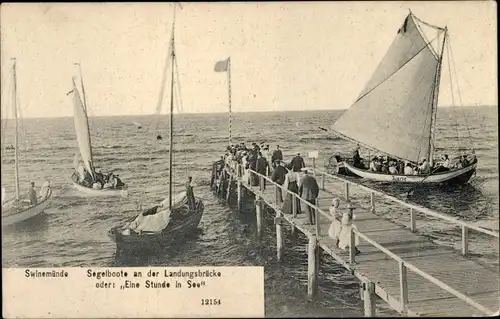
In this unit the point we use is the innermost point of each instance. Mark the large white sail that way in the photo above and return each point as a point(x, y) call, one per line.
point(393, 113)
point(82, 130)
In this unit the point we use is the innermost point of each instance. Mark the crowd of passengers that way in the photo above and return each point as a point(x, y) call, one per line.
point(99, 181)
point(388, 165)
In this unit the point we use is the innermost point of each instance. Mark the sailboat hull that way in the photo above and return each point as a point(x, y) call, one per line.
point(459, 176)
point(101, 192)
point(154, 241)
point(25, 215)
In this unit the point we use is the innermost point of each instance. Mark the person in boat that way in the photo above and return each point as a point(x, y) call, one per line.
point(277, 157)
point(291, 185)
point(190, 193)
point(99, 176)
point(425, 168)
point(464, 162)
point(392, 168)
point(345, 231)
point(408, 170)
point(356, 160)
point(373, 165)
point(45, 191)
point(297, 163)
point(32, 194)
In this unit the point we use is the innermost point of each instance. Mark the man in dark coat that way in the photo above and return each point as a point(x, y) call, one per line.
point(297, 163)
point(309, 191)
point(277, 156)
point(262, 167)
point(279, 178)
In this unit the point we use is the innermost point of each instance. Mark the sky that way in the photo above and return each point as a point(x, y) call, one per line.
point(284, 56)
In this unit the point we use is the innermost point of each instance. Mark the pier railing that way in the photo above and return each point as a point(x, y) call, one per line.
point(404, 266)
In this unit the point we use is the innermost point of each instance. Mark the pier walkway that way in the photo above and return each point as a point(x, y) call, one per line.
point(412, 274)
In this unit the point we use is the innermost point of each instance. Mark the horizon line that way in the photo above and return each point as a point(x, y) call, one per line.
point(217, 113)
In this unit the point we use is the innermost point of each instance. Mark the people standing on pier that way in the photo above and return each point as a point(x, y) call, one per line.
point(345, 231)
point(278, 176)
point(297, 163)
point(292, 186)
point(309, 191)
point(277, 156)
point(262, 166)
point(335, 225)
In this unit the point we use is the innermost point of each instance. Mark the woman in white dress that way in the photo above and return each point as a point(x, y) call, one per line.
point(336, 225)
point(345, 231)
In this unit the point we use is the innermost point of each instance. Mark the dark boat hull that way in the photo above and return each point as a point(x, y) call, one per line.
point(155, 241)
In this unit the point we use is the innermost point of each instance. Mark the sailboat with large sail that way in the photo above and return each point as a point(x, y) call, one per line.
point(86, 178)
point(21, 209)
point(395, 115)
point(173, 218)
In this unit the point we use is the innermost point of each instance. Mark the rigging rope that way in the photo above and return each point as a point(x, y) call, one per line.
point(460, 96)
point(453, 97)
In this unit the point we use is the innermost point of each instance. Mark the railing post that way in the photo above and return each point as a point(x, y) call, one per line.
point(279, 237)
point(369, 298)
point(322, 181)
point(347, 191)
point(372, 202)
point(465, 240)
point(239, 194)
point(261, 182)
point(258, 212)
point(413, 221)
point(311, 267)
point(294, 205)
point(352, 248)
point(276, 197)
point(403, 286)
point(316, 218)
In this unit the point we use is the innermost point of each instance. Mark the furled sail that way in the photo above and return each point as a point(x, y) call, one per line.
point(393, 112)
point(82, 130)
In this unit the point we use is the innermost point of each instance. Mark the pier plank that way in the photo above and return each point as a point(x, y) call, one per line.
point(466, 276)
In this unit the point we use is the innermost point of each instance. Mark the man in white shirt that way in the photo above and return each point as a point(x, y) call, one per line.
point(408, 170)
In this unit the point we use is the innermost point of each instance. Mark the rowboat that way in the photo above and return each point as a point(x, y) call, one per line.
point(19, 209)
point(170, 221)
point(395, 114)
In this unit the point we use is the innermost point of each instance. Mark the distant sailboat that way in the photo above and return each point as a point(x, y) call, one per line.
point(87, 179)
point(173, 218)
point(395, 114)
point(21, 209)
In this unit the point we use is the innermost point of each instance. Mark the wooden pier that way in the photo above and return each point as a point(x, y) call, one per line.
point(412, 274)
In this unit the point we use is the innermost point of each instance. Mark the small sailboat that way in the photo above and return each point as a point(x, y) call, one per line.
point(176, 216)
point(22, 209)
point(395, 115)
point(87, 179)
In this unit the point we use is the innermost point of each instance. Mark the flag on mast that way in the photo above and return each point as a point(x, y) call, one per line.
point(221, 66)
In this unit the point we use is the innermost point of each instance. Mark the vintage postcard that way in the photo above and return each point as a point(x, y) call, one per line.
point(249, 159)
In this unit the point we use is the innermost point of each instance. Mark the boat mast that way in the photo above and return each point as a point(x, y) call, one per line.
point(171, 150)
point(16, 142)
point(229, 93)
point(86, 116)
point(435, 101)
